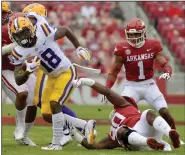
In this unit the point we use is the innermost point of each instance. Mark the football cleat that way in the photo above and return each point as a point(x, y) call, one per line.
point(154, 144)
point(28, 141)
point(19, 133)
point(55, 147)
point(181, 142)
point(89, 131)
point(65, 139)
point(174, 136)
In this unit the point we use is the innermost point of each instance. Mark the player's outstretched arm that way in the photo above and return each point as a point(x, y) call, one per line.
point(112, 96)
point(114, 70)
point(8, 48)
point(165, 65)
point(64, 31)
point(105, 143)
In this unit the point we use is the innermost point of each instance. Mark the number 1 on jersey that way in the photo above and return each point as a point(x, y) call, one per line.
point(141, 70)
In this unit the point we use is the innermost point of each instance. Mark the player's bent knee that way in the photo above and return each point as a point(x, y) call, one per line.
point(150, 116)
point(123, 134)
point(22, 95)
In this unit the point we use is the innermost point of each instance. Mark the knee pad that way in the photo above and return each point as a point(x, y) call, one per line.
point(123, 137)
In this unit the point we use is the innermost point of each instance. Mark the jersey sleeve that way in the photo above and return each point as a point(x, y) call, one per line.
point(158, 46)
point(48, 30)
point(118, 51)
point(16, 57)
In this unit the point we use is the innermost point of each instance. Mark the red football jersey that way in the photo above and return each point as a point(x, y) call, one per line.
point(128, 116)
point(5, 41)
point(139, 62)
point(131, 115)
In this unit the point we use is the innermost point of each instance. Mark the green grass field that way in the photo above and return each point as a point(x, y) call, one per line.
point(42, 135)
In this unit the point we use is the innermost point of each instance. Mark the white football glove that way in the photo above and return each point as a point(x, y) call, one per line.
point(32, 66)
point(83, 53)
point(165, 76)
point(77, 83)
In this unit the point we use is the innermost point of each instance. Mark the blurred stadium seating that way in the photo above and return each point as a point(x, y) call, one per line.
point(169, 19)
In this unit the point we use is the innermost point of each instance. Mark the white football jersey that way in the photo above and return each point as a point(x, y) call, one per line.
point(53, 60)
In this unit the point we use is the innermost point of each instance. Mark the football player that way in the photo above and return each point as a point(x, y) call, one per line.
point(41, 76)
point(18, 94)
point(137, 54)
point(129, 127)
point(41, 42)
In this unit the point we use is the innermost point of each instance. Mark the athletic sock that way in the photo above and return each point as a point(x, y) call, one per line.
point(58, 123)
point(136, 139)
point(20, 117)
point(161, 125)
point(27, 128)
point(75, 122)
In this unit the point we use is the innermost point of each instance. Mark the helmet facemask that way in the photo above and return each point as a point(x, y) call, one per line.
point(24, 38)
point(135, 38)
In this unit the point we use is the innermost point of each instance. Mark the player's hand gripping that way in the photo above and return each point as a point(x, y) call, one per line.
point(83, 53)
point(165, 76)
point(33, 65)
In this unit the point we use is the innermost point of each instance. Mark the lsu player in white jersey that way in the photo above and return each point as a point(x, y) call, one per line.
point(40, 40)
point(41, 76)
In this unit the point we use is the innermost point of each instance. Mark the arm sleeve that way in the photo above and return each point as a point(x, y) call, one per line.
point(118, 50)
point(16, 57)
point(158, 46)
point(48, 30)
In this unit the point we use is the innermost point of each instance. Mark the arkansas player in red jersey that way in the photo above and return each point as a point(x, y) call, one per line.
point(18, 94)
point(138, 55)
point(128, 126)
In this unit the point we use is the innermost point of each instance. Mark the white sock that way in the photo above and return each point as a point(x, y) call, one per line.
point(75, 122)
point(20, 117)
point(27, 128)
point(161, 125)
point(58, 123)
point(79, 138)
point(88, 82)
point(136, 139)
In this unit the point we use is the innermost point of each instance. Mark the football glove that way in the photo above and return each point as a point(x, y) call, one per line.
point(83, 53)
point(165, 76)
point(33, 65)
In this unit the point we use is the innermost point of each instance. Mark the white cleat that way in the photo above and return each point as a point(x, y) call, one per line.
point(55, 147)
point(181, 142)
point(19, 133)
point(89, 131)
point(28, 141)
point(65, 139)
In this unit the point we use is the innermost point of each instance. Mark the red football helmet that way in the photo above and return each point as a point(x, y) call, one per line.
point(11, 19)
point(135, 32)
